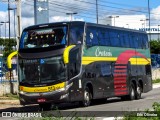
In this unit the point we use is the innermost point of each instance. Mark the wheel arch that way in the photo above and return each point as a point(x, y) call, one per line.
point(134, 83)
point(141, 83)
point(90, 87)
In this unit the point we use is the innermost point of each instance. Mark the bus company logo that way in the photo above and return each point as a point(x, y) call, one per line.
point(100, 52)
point(6, 114)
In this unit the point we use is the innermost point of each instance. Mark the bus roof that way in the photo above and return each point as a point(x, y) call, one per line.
point(82, 22)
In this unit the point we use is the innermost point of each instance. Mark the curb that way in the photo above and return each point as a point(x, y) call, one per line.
point(10, 102)
point(156, 85)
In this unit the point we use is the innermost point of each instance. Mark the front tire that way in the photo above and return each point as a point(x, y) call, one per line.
point(87, 98)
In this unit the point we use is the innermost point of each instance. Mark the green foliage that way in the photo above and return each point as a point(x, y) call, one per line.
point(155, 46)
point(58, 115)
point(8, 45)
point(156, 81)
point(148, 115)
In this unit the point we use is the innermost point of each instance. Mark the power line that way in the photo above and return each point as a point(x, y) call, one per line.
point(106, 6)
point(64, 8)
point(120, 4)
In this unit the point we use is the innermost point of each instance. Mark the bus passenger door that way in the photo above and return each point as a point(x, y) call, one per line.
point(74, 68)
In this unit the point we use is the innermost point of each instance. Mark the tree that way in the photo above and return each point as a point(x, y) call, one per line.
point(155, 47)
point(8, 45)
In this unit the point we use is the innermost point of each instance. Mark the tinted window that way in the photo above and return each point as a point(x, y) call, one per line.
point(105, 69)
point(140, 42)
point(92, 38)
point(125, 39)
point(76, 34)
point(135, 40)
point(103, 36)
point(145, 41)
point(114, 38)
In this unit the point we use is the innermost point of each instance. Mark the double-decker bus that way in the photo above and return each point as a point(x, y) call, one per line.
point(81, 62)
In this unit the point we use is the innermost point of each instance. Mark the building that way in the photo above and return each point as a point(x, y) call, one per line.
point(138, 22)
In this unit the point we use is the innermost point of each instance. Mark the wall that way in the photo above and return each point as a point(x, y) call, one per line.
point(5, 88)
point(156, 73)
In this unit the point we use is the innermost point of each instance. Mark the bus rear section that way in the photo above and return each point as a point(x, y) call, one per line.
point(116, 63)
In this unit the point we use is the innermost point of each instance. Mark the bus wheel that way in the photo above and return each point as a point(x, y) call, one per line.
point(138, 91)
point(132, 92)
point(87, 98)
point(45, 106)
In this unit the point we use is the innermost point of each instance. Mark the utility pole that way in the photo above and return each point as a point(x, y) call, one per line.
point(10, 71)
point(97, 10)
point(149, 19)
point(9, 23)
point(19, 27)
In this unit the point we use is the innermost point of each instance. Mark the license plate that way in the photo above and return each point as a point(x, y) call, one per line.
point(41, 100)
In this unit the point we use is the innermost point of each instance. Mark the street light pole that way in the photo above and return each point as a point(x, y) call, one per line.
point(0, 30)
point(114, 17)
point(127, 25)
point(5, 27)
point(71, 14)
point(158, 32)
point(144, 22)
point(14, 21)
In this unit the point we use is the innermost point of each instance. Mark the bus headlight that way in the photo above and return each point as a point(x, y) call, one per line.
point(21, 92)
point(68, 85)
point(64, 96)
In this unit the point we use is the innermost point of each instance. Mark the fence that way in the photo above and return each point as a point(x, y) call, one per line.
point(6, 76)
point(155, 61)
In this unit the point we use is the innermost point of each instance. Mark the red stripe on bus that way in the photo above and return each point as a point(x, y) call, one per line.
point(120, 66)
point(120, 75)
point(121, 93)
point(120, 70)
point(120, 78)
point(120, 81)
point(119, 89)
point(120, 86)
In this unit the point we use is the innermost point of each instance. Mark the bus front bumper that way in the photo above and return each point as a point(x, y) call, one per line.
point(58, 96)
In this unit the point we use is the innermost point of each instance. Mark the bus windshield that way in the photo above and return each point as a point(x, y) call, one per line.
point(44, 37)
point(42, 70)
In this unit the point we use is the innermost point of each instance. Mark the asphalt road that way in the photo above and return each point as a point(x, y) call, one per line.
point(112, 107)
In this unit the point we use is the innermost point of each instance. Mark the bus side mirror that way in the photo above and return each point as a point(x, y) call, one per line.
point(66, 54)
point(9, 59)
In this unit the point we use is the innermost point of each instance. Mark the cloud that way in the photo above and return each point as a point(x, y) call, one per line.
point(62, 18)
point(155, 13)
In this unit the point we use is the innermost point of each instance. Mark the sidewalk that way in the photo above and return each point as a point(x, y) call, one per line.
point(16, 102)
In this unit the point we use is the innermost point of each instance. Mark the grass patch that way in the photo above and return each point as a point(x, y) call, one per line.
point(156, 81)
point(9, 97)
point(146, 115)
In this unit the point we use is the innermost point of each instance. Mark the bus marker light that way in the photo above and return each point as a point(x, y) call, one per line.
point(41, 100)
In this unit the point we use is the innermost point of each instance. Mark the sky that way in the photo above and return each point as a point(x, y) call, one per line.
point(86, 10)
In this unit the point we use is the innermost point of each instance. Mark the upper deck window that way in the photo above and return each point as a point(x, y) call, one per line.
point(45, 37)
point(76, 34)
